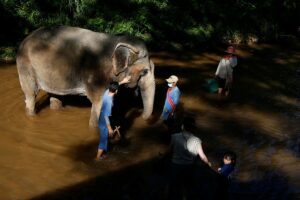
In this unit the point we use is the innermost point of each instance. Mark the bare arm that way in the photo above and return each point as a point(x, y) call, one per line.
point(218, 69)
point(202, 155)
point(125, 80)
point(110, 130)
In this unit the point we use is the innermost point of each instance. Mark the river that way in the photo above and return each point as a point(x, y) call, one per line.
point(50, 156)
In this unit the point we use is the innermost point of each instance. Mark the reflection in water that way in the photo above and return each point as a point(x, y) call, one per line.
point(51, 155)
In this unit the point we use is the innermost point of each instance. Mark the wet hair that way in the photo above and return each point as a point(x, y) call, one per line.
point(189, 123)
point(230, 156)
point(113, 86)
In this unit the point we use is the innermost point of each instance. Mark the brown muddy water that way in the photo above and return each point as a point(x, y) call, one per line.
point(50, 156)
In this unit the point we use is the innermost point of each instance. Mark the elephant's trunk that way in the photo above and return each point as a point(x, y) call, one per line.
point(148, 99)
point(147, 88)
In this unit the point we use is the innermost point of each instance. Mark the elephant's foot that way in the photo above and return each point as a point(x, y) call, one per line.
point(146, 116)
point(30, 112)
point(55, 104)
point(30, 106)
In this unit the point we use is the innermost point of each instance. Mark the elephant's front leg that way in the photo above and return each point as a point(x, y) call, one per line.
point(95, 112)
point(96, 99)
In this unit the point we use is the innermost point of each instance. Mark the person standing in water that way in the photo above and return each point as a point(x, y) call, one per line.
point(185, 147)
point(104, 121)
point(168, 114)
point(224, 72)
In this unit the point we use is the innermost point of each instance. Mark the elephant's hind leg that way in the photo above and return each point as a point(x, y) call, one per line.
point(96, 98)
point(30, 105)
point(29, 87)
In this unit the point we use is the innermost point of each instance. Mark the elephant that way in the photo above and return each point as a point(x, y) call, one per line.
point(65, 60)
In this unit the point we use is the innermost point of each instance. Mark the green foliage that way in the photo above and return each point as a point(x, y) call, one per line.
point(161, 23)
point(25, 11)
point(123, 27)
point(96, 24)
point(7, 53)
point(203, 32)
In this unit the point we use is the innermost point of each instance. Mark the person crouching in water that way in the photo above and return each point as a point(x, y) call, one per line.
point(224, 72)
point(104, 122)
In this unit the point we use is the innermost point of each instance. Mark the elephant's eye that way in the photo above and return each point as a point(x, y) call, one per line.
point(144, 72)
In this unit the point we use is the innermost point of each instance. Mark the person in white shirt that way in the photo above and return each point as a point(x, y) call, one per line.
point(224, 71)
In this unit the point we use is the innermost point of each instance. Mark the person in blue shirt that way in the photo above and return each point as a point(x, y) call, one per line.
point(171, 102)
point(228, 165)
point(104, 122)
point(225, 171)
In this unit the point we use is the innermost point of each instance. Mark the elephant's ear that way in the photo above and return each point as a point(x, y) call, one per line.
point(123, 55)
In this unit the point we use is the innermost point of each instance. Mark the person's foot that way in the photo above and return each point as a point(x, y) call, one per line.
point(100, 153)
point(100, 158)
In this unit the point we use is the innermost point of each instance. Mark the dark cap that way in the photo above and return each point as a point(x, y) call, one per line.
point(113, 86)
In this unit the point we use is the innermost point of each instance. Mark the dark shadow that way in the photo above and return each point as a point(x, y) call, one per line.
point(12, 27)
point(150, 179)
point(71, 100)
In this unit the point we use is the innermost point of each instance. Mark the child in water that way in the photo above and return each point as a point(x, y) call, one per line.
point(228, 165)
point(226, 169)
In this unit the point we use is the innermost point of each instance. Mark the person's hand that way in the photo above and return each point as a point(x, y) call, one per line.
point(110, 131)
point(209, 164)
point(125, 80)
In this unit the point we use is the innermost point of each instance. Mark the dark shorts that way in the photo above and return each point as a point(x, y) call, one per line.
point(173, 124)
point(222, 83)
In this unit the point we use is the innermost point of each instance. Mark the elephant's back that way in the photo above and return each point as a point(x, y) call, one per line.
point(61, 44)
point(59, 53)
point(61, 37)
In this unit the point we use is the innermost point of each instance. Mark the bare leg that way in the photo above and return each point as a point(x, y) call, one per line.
point(99, 154)
point(220, 90)
point(227, 93)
